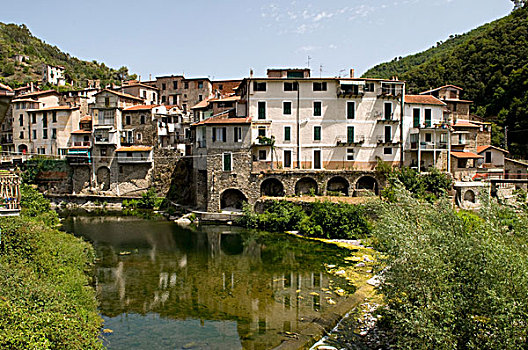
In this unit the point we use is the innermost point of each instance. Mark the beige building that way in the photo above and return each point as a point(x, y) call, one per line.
point(148, 93)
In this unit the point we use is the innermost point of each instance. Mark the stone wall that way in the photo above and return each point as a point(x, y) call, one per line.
point(165, 161)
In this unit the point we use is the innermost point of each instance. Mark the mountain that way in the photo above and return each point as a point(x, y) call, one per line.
point(490, 63)
point(18, 40)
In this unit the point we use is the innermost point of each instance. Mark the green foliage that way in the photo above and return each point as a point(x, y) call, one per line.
point(430, 186)
point(454, 281)
point(35, 205)
point(34, 166)
point(490, 63)
point(149, 200)
point(46, 301)
point(17, 39)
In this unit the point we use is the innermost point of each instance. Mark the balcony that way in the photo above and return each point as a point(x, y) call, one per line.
point(81, 144)
point(134, 158)
point(382, 140)
point(390, 91)
point(264, 141)
point(356, 141)
point(349, 91)
point(79, 156)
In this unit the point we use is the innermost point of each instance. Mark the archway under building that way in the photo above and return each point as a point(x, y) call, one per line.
point(103, 178)
point(232, 199)
point(22, 149)
point(469, 196)
point(337, 184)
point(306, 185)
point(366, 186)
point(272, 188)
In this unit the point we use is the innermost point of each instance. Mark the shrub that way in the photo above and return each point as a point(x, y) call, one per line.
point(148, 199)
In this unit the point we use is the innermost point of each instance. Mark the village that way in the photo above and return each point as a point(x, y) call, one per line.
point(235, 141)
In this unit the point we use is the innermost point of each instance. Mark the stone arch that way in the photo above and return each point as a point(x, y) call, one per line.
point(469, 196)
point(338, 184)
point(232, 199)
point(272, 187)
point(366, 185)
point(23, 149)
point(103, 178)
point(305, 186)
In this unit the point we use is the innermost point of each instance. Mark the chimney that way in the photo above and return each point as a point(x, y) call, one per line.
point(251, 73)
point(351, 72)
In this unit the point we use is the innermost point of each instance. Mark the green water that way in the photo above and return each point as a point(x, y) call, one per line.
point(219, 287)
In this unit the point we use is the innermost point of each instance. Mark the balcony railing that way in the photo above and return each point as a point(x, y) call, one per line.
point(81, 144)
point(343, 141)
point(134, 159)
point(381, 139)
point(349, 92)
point(390, 91)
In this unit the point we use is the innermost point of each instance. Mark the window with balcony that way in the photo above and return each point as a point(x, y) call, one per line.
point(319, 86)
point(427, 116)
point(387, 111)
point(286, 108)
point(351, 110)
point(102, 136)
point(317, 108)
point(317, 133)
point(261, 131)
point(416, 117)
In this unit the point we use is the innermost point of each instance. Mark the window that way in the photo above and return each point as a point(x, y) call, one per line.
point(287, 163)
point(186, 85)
point(350, 154)
point(427, 116)
point(351, 110)
point(259, 86)
point(54, 117)
point(416, 117)
point(53, 134)
point(33, 118)
point(184, 107)
point(21, 120)
point(428, 137)
point(227, 161)
point(127, 120)
point(200, 97)
point(237, 134)
point(388, 111)
point(200, 85)
point(107, 101)
point(317, 133)
point(44, 119)
point(138, 136)
point(21, 135)
point(103, 151)
point(350, 134)
point(262, 154)
point(462, 163)
point(317, 108)
point(387, 150)
point(163, 86)
point(223, 134)
point(369, 87)
point(174, 85)
point(291, 86)
point(262, 131)
point(41, 150)
point(34, 134)
point(220, 86)
point(388, 133)
point(287, 133)
point(461, 139)
point(213, 136)
point(317, 159)
point(286, 108)
point(319, 86)
point(142, 119)
point(163, 99)
point(261, 110)
point(44, 134)
point(488, 157)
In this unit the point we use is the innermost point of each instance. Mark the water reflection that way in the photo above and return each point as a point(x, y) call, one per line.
point(160, 286)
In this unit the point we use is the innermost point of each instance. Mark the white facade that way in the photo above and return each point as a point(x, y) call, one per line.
point(53, 75)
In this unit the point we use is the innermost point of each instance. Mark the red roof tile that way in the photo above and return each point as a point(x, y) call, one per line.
point(465, 155)
point(134, 149)
point(481, 149)
point(54, 108)
point(140, 108)
point(465, 124)
point(87, 118)
point(77, 132)
point(224, 119)
point(423, 99)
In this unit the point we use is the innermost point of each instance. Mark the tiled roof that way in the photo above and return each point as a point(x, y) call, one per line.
point(516, 162)
point(201, 104)
point(87, 118)
point(465, 155)
point(441, 87)
point(423, 99)
point(136, 83)
point(134, 149)
point(121, 94)
point(465, 124)
point(23, 99)
point(77, 132)
point(54, 108)
point(140, 108)
point(225, 99)
point(481, 149)
point(40, 93)
point(457, 100)
point(224, 119)
point(5, 87)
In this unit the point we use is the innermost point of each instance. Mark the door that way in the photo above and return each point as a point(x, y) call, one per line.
point(317, 159)
point(287, 159)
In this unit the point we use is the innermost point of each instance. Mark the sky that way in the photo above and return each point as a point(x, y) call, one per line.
point(224, 39)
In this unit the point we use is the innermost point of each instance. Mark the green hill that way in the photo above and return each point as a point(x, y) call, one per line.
point(18, 40)
point(490, 63)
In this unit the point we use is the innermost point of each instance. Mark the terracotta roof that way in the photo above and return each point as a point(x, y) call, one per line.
point(224, 119)
point(23, 99)
point(5, 87)
point(457, 100)
point(481, 149)
point(121, 94)
point(225, 99)
point(465, 124)
point(40, 93)
point(441, 87)
point(465, 155)
point(516, 161)
point(134, 149)
point(87, 118)
point(140, 108)
point(77, 132)
point(201, 104)
point(423, 99)
point(139, 84)
point(54, 108)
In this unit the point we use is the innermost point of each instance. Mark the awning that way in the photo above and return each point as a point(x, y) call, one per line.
point(466, 155)
point(352, 82)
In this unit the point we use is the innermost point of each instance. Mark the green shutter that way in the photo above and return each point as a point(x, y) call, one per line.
point(350, 134)
point(416, 118)
point(427, 118)
point(262, 110)
point(317, 133)
point(351, 110)
point(287, 133)
point(227, 161)
point(317, 109)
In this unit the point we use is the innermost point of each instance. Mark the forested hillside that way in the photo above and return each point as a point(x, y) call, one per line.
point(18, 40)
point(490, 63)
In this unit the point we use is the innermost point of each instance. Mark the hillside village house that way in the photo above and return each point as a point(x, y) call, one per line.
point(148, 93)
point(181, 91)
point(53, 75)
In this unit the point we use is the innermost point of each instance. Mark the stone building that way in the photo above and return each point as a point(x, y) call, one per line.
point(148, 93)
point(456, 107)
point(181, 91)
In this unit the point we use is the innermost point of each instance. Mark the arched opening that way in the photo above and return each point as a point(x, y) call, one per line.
point(272, 188)
point(231, 244)
point(103, 178)
point(366, 186)
point(469, 196)
point(337, 184)
point(22, 149)
point(232, 199)
point(306, 185)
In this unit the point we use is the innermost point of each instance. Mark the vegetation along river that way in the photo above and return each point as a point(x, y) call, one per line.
point(161, 286)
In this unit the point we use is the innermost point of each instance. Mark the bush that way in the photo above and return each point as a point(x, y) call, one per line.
point(148, 199)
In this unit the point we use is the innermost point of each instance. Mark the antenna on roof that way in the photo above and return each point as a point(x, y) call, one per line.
point(309, 58)
point(320, 70)
point(341, 71)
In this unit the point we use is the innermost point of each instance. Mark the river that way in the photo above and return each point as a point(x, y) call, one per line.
point(160, 286)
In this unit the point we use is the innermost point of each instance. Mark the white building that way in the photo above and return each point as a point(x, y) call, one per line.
point(53, 75)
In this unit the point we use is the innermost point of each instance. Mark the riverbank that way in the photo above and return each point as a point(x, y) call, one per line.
point(46, 301)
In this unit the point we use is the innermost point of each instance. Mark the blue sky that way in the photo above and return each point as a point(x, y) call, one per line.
point(225, 39)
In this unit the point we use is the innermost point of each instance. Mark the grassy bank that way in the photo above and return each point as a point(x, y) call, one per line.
point(46, 301)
